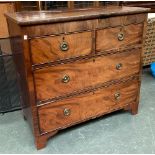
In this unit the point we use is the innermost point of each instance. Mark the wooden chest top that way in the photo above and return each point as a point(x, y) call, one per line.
point(42, 17)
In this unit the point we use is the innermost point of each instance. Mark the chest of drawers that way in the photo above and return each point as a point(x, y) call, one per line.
point(76, 65)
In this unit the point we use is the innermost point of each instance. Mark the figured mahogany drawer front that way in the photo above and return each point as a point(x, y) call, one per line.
point(60, 47)
point(64, 79)
point(114, 38)
point(73, 110)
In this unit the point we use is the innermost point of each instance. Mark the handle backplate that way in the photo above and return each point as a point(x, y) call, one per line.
point(120, 36)
point(64, 46)
point(119, 66)
point(117, 95)
point(67, 112)
point(65, 79)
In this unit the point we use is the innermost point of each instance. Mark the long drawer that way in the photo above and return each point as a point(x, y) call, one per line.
point(86, 106)
point(63, 79)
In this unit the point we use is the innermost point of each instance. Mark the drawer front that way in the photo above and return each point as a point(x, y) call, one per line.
point(63, 79)
point(114, 38)
point(73, 110)
point(60, 47)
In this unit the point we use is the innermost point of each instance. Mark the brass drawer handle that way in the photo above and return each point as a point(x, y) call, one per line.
point(117, 95)
point(64, 46)
point(119, 66)
point(120, 36)
point(65, 79)
point(67, 112)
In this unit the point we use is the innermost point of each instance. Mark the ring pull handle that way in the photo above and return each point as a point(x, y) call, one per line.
point(67, 112)
point(117, 96)
point(120, 36)
point(64, 46)
point(66, 79)
point(119, 66)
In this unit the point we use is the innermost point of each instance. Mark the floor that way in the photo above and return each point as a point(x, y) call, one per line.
point(119, 132)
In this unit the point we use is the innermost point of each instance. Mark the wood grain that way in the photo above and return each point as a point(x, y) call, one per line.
point(51, 116)
point(84, 25)
point(94, 71)
point(135, 106)
point(48, 48)
point(86, 73)
point(45, 17)
point(108, 38)
point(4, 8)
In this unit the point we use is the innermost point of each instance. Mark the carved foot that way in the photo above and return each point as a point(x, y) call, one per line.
point(42, 140)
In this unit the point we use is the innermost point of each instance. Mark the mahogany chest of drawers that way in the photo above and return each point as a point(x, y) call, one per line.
point(76, 65)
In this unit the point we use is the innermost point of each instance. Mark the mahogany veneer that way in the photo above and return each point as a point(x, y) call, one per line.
point(103, 67)
point(76, 65)
point(47, 48)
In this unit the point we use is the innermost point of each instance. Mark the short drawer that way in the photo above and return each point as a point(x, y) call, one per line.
point(118, 37)
point(53, 48)
point(70, 111)
point(64, 79)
